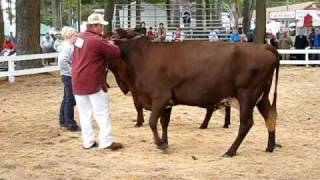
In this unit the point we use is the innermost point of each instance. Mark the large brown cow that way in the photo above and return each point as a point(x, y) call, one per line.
point(200, 74)
point(139, 108)
point(125, 88)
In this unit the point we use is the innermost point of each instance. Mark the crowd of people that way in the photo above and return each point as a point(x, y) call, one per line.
point(282, 40)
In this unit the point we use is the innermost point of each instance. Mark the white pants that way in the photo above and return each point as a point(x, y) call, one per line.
point(98, 105)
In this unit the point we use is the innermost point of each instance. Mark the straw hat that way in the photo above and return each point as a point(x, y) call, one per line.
point(96, 19)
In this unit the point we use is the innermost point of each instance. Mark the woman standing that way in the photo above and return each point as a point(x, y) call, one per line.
point(68, 35)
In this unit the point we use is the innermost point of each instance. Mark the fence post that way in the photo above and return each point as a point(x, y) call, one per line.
point(11, 71)
point(307, 57)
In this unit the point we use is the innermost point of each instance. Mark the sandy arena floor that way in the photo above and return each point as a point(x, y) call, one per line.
point(33, 146)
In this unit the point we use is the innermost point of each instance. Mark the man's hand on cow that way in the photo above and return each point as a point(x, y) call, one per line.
point(111, 42)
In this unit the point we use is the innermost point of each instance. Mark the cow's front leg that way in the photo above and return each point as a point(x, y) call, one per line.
point(164, 120)
point(157, 109)
point(139, 110)
point(140, 118)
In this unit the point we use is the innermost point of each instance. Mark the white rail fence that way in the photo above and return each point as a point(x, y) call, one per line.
point(11, 73)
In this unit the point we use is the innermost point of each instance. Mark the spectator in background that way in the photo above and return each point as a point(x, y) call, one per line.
point(274, 41)
point(243, 38)
point(316, 44)
point(53, 37)
point(161, 32)
point(250, 36)
point(311, 38)
point(141, 28)
point(178, 35)
point(235, 37)
point(213, 36)
point(150, 34)
point(301, 42)
point(13, 39)
point(186, 16)
point(66, 47)
point(285, 43)
point(9, 46)
point(46, 44)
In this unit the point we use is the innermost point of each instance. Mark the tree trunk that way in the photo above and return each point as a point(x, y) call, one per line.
point(28, 31)
point(138, 11)
point(9, 11)
point(236, 13)
point(247, 15)
point(69, 12)
point(129, 14)
point(1, 26)
point(168, 9)
point(108, 11)
point(79, 14)
point(56, 14)
point(261, 21)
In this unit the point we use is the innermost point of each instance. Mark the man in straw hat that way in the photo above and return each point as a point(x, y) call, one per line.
point(89, 69)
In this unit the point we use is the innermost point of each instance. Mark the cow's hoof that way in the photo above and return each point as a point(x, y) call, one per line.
point(228, 155)
point(278, 146)
point(270, 149)
point(203, 127)
point(226, 126)
point(163, 146)
point(139, 125)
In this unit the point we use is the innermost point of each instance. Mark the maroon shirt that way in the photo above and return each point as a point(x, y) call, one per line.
point(89, 66)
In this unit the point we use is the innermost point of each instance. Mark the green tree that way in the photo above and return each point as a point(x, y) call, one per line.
point(1, 26)
point(248, 7)
point(261, 21)
point(108, 10)
point(28, 31)
point(57, 14)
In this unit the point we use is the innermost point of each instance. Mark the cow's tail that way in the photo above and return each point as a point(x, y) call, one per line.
point(271, 121)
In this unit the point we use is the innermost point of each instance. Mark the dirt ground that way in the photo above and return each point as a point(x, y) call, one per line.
point(33, 146)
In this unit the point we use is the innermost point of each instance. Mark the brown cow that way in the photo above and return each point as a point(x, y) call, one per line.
point(203, 74)
point(139, 108)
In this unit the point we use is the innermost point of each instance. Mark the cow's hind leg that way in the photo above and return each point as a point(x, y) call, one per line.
point(270, 115)
point(227, 117)
point(164, 120)
point(206, 120)
point(246, 122)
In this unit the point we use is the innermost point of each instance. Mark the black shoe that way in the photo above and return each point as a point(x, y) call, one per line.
point(92, 146)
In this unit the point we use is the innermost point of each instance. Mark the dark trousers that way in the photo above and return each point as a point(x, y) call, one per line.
point(67, 104)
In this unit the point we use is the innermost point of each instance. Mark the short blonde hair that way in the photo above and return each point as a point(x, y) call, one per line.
point(67, 32)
